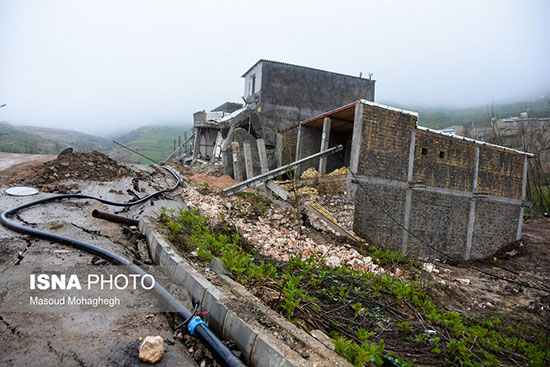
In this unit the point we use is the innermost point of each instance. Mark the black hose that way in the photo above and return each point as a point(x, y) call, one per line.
point(219, 349)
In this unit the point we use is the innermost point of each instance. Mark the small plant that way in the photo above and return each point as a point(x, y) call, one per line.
point(405, 326)
point(293, 294)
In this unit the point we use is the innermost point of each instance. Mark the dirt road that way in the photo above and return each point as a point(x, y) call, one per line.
point(12, 159)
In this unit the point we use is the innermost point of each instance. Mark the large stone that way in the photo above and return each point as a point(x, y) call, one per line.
point(152, 349)
point(218, 266)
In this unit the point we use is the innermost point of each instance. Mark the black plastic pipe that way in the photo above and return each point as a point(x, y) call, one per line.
point(220, 350)
point(114, 217)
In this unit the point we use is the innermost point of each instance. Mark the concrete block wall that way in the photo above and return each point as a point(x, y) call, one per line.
point(496, 224)
point(291, 93)
point(371, 223)
point(462, 197)
point(385, 143)
point(441, 220)
point(500, 173)
point(443, 162)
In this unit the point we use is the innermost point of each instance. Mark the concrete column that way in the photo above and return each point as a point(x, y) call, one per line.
point(324, 145)
point(196, 145)
point(358, 122)
point(237, 171)
point(472, 214)
point(299, 142)
point(279, 150)
point(408, 195)
point(217, 146)
point(523, 193)
point(248, 160)
point(264, 165)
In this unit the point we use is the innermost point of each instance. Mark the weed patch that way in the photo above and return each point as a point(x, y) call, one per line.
point(362, 311)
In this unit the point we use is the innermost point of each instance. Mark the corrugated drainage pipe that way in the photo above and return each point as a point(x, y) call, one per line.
point(220, 350)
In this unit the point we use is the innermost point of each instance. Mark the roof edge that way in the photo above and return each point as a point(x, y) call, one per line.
point(304, 67)
point(478, 142)
point(364, 101)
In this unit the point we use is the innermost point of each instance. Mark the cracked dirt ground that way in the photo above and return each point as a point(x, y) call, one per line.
point(86, 338)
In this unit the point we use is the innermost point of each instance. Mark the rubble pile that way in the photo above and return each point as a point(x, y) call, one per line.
point(340, 207)
point(275, 234)
point(78, 166)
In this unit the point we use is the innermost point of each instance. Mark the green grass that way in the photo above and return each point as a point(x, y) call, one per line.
point(37, 140)
point(156, 142)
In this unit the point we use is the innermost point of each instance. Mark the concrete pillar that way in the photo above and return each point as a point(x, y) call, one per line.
point(279, 150)
point(324, 145)
point(299, 142)
point(196, 146)
point(357, 136)
point(248, 160)
point(264, 164)
point(238, 172)
point(472, 214)
point(523, 193)
point(408, 196)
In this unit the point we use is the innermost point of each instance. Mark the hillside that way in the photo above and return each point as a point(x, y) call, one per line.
point(156, 142)
point(441, 117)
point(39, 140)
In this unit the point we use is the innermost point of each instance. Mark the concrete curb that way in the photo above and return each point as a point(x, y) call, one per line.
point(259, 347)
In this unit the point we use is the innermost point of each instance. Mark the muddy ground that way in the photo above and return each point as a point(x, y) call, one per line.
point(86, 337)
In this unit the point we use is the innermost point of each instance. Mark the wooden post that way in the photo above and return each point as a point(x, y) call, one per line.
point(324, 145)
point(248, 160)
point(237, 171)
point(264, 164)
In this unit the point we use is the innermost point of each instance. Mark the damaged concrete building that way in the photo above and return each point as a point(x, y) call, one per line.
point(276, 96)
point(462, 196)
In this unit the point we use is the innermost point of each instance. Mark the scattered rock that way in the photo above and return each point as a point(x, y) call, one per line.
point(218, 266)
point(152, 349)
point(56, 225)
point(463, 281)
point(198, 355)
point(305, 354)
point(512, 253)
point(66, 151)
point(96, 260)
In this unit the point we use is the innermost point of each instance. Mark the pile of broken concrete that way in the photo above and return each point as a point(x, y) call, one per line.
point(276, 233)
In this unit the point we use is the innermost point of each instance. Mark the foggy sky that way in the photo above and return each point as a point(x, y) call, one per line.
point(99, 66)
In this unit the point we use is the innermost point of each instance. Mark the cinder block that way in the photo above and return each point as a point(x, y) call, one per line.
point(167, 261)
point(212, 303)
point(243, 335)
point(182, 272)
point(196, 285)
point(154, 248)
point(265, 354)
